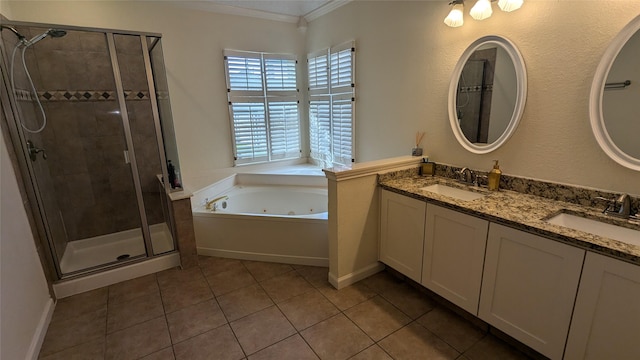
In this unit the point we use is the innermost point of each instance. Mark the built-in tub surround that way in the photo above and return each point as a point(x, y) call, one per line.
point(180, 203)
point(514, 207)
point(266, 217)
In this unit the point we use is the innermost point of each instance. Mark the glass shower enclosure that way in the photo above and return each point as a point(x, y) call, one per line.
point(89, 128)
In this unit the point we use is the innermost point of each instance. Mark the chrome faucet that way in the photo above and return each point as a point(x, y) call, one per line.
point(618, 207)
point(212, 204)
point(468, 176)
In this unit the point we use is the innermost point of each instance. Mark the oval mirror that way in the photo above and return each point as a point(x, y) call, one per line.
point(614, 103)
point(487, 94)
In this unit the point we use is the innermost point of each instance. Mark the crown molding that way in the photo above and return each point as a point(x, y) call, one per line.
point(234, 10)
point(325, 9)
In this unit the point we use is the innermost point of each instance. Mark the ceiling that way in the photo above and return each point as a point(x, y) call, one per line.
point(279, 10)
point(282, 7)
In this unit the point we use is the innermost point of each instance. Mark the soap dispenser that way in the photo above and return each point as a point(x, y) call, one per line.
point(494, 177)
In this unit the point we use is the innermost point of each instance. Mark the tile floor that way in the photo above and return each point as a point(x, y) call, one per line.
point(232, 309)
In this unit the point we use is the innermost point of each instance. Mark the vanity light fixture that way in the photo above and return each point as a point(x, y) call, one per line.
point(509, 5)
point(480, 11)
point(455, 18)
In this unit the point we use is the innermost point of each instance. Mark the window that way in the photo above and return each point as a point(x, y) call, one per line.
point(263, 106)
point(331, 104)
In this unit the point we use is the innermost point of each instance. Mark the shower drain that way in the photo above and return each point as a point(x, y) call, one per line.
point(123, 257)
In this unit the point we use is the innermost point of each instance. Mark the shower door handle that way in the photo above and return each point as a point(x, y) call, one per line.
point(33, 151)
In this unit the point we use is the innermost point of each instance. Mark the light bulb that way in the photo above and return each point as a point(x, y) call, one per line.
point(509, 5)
point(455, 17)
point(481, 10)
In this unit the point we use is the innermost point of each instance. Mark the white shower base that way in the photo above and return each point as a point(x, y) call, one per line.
point(104, 249)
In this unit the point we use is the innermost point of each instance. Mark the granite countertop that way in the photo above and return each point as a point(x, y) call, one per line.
point(520, 211)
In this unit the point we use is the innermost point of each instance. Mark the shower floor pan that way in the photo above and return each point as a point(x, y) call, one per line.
point(105, 249)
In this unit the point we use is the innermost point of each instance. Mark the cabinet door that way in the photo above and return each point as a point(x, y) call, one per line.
point(606, 319)
point(402, 233)
point(454, 255)
point(529, 287)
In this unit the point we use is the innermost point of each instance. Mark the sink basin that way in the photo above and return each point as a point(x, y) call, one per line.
point(453, 192)
point(576, 222)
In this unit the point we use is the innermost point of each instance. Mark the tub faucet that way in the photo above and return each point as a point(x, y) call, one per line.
point(468, 176)
point(618, 207)
point(211, 204)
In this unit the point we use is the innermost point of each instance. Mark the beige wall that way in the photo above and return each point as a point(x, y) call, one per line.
point(561, 42)
point(5, 10)
point(25, 303)
point(405, 57)
point(193, 42)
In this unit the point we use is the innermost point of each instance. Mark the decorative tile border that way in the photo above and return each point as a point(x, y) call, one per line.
point(23, 95)
point(549, 190)
point(81, 95)
point(475, 88)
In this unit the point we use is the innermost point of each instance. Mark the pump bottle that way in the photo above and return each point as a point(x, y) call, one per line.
point(494, 177)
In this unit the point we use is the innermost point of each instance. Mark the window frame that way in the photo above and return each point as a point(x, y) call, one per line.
point(271, 98)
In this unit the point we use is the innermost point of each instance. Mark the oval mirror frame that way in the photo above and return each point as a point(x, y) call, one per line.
point(521, 96)
point(597, 93)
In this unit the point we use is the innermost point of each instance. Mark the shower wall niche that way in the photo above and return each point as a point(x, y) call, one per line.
point(98, 189)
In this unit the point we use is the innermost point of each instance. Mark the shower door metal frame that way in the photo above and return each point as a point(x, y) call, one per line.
point(37, 216)
point(153, 96)
point(133, 161)
point(40, 229)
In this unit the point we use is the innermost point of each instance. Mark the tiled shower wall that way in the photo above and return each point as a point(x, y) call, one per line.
point(84, 138)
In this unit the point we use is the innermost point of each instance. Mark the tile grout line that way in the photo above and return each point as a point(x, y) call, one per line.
point(164, 311)
point(297, 332)
point(299, 272)
point(106, 324)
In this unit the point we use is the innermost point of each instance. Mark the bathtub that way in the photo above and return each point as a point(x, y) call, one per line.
point(264, 217)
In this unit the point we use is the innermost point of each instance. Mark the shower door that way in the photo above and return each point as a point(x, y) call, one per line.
point(134, 66)
point(82, 165)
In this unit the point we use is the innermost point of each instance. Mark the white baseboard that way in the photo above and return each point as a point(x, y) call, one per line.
point(41, 331)
point(285, 259)
point(355, 276)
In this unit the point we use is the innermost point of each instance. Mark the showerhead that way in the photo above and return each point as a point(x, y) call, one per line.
point(54, 33)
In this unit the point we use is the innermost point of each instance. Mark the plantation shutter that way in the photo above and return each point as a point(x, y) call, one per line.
point(284, 129)
point(263, 106)
point(341, 126)
point(318, 67)
point(280, 74)
point(341, 70)
point(250, 131)
point(342, 105)
point(282, 90)
point(331, 104)
point(244, 73)
point(320, 128)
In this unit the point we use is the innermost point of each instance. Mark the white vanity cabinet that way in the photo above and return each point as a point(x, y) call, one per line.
point(606, 319)
point(454, 248)
point(402, 233)
point(529, 288)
